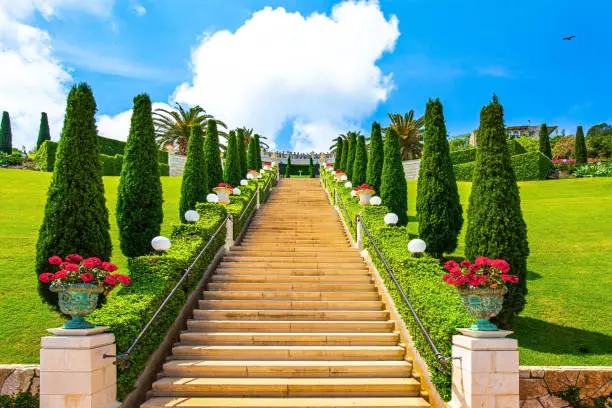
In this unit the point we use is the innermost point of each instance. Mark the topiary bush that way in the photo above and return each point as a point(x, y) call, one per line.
point(164, 170)
point(212, 156)
point(195, 185)
point(311, 172)
point(45, 155)
point(345, 152)
point(259, 164)
point(111, 147)
point(252, 155)
point(338, 156)
point(580, 149)
point(360, 166)
point(6, 134)
point(545, 141)
point(463, 156)
point(464, 171)
point(514, 148)
point(231, 172)
point(376, 158)
point(393, 187)
point(242, 152)
point(288, 168)
point(111, 165)
point(531, 166)
point(43, 130)
point(350, 158)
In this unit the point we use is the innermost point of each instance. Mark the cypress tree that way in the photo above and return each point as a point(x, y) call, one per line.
point(580, 150)
point(75, 218)
point(350, 160)
point(288, 168)
point(258, 153)
point(6, 134)
point(438, 207)
point(195, 186)
point(393, 187)
point(252, 155)
point(43, 130)
point(231, 173)
point(360, 166)
point(545, 141)
point(375, 161)
point(212, 156)
point(345, 150)
point(311, 169)
point(139, 196)
point(338, 157)
point(242, 152)
point(496, 228)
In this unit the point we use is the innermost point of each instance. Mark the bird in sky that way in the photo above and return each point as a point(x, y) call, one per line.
point(568, 38)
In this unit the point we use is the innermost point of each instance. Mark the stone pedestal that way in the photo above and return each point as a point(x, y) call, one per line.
point(485, 370)
point(73, 372)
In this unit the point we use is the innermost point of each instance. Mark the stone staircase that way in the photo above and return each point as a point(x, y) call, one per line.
point(291, 318)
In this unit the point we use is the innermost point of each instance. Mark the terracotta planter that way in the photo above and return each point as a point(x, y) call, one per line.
point(223, 193)
point(77, 300)
point(483, 304)
point(364, 196)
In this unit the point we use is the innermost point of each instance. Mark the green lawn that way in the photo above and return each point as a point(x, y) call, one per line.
point(23, 317)
point(568, 318)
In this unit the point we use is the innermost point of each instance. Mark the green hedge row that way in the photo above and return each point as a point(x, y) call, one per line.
point(469, 155)
point(21, 400)
point(111, 165)
point(45, 155)
point(110, 147)
point(438, 305)
point(527, 166)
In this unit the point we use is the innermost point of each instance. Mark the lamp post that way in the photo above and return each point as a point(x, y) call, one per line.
point(391, 219)
point(417, 247)
point(192, 216)
point(161, 243)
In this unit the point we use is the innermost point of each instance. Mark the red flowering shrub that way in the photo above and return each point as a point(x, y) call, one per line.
point(364, 187)
point(483, 273)
point(225, 185)
point(74, 258)
point(55, 260)
point(92, 262)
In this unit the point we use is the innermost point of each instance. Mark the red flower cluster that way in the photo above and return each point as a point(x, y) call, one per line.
point(225, 185)
point(363, 187)
point(338, 171)
point(75, 269)
point(484, 273)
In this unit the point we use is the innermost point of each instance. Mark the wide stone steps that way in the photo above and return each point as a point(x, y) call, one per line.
point(289, 295)
point(245, 314)
point(321, 402)
point(298, 286)
point(292, 326)
point(246, 270)
point(234, 277)
point(290, 338)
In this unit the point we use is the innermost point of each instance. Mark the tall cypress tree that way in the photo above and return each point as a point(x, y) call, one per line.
point(139, 196)
point(43, 130)
point(338, 157)
point(311, 169)
point(288, 168)
point(438, 207)
point(75, 218)
point(252, 155)
point(195, 186)
point(580, 150)
point(496, 228)
point(393, 187)
point(350, 160)
point(258, 153)
point(375, 161)
point(360, 166)
point(6, 134)
point(242, 152)
point(344, 159)
point(212, 156)
point(545, 141)
point(231, 173)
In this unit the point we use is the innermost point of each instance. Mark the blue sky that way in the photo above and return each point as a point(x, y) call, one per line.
point(461, 52)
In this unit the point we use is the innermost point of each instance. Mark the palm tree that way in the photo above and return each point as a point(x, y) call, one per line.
point(248, 134)
point(174, 126)
point(410, 133)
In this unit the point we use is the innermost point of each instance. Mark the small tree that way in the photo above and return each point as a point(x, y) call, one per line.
point(580, 149)
point(231, 173)
point(338, 157)
point(545, 141)
point(360, 166)
point(212, 156)
point(496, 228)
point(345, 151)
point(139, 197)
point(6, 134)
point(242, 152)
point(438, 207)
point(195, 186)
point(258, 154)
point(311, 169)
point(252, 154)
point(375, 161)
point(43, 130)
point(393, 187)
point(288, 168)
point(75, 218)
point(350, 160)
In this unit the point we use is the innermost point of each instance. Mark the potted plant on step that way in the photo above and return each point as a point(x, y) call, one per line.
point(78, 284)
point(338, 175)
point(482, 286)
point(223, 191)
point(364, 192)
point(252, 174)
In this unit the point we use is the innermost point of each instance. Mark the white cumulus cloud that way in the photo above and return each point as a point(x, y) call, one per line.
point(318, 72)
point(21, 9)
point(118, 126)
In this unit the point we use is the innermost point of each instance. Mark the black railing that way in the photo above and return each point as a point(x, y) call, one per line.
point(443, 360)
point(343, 208)
point(245, 211)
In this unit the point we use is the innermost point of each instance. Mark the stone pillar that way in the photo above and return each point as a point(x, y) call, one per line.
point(485, 370)
point(73, 372)
point(258, 198)
point(359, 241)
point(229, 237)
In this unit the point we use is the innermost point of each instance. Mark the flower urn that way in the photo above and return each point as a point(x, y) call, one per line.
point(483, 304)
point(364, 196)
point(338, 175)
point(77, 300)
point(223, 193)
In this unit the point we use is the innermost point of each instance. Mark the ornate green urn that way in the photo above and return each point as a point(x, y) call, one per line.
point(77, 300)
point(483, 304)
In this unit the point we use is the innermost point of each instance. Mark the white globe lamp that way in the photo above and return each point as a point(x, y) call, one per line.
point(348, 184)
point(192, 216)
point(417, 246)
point(376, 200)
point(250, 176)
point(160, 243)
point(212, 198)
point(391, 219)
point(353, 193)
point(244, 182)
point(236, 191)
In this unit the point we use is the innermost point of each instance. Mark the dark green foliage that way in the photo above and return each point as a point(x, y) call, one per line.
point(212, 156)
point(75, 218)
point(6, 134)
point(376, 158)
point(527, 166)
point(350, 160)
point(338, 157)
point(164, 170)
point(344, 158)
point(21, 400)
point(139, 195)
point(580, 150)
point(162, 157)
point(311, 172)
point(231, 173)
point(464, 171)
point(288, 168)
point(195, 184)
point(393, 187)
point(299, 169)
point(252, 155)
point(259, 164)
point(545, 141)
point(514, 148)
point(111, 165)
point(360, 165)
point(463, 156)
point(43, 130)
point(242, 152)
point(45, 155)
point(496, 228)
point(438, 207)
point(111, 147)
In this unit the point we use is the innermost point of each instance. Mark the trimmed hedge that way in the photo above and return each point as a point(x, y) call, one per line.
point(463, 156)
point(111, 165)
point(464, 171)
point(162, 157)
point(515, 147)
point(164, 169)
point(110, 147)
point(45, 155)
point(527, 166)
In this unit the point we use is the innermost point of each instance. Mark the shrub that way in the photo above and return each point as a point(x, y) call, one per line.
point(545, 141)
point(20, 400)
point(580, 149)
point(463, 156)
point(565, 147)
point(515, 147)
point(288, 168)
point(13, 159)
point(345, 152)
point(529, 143)
point(599, 145)
point(438, 207)
point(111, 147)
point(594, 170)
point(360, 166)
point(464, 171)
point(252, 155)
point(43, 130)
point(45, 155)
point(311, 169)
point(338, 156)
point(531, 166)
point(195, 185)
point(393, 187)
point(496, 228)
point(212, 156)
point(242, 152)
point(139, 197)
point(375, 161)
point(164, 169)
point(350, 158)
point(162, 157)
point(231, 173)
point(259, 163)
point(75, 218)
point(111, 165)
point(6, 134)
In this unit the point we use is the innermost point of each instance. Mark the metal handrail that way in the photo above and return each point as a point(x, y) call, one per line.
point(443, 360)
point(338, 199)
point(122, 359)
point(248, 205)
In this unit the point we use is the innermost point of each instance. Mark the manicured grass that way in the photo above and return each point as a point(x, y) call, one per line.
point(567, 320)
point(23, 317)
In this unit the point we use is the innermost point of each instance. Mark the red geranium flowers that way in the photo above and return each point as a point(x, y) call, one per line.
point(363, 187)
point(484, 273)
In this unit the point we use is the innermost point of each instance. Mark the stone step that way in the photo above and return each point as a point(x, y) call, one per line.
point(292, 326)
point(297, 248)
point(290, 295)
point(291, 252)
point(276, 304)
point(298, 402)
point(298, 286)
point(271, 277)
point(245, 314)
point(245, 270)
point(307, 262)
point(291, 338)
point(300, 265)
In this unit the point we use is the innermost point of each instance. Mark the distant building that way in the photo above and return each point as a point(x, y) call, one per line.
point(518, 131)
